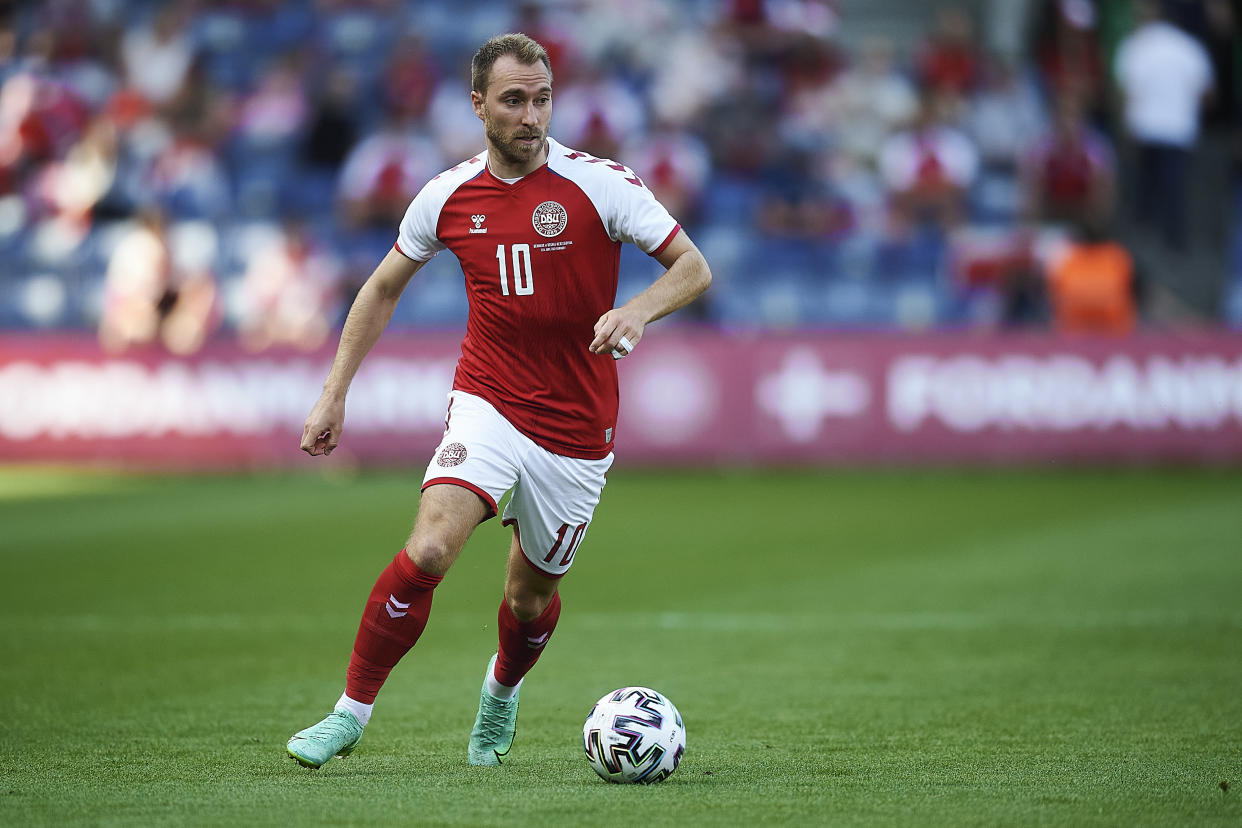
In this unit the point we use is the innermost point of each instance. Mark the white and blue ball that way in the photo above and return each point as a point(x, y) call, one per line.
point(634, 735)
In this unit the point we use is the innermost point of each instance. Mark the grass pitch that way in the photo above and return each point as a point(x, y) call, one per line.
point(897, 647)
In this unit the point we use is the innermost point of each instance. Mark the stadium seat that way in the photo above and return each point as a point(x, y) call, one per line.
point(1233, 303)
point(435, 298)
point(41, 300)
point(729, 198)
point(13, 227)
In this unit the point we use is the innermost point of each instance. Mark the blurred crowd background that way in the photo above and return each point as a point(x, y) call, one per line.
point(176, 172)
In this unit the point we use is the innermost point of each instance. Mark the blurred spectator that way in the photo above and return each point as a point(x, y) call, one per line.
point(1164, 74)
point(1092, 284)
point(331, 132)
point(809, 63)
point(9, 54)
point(1222, 30)
point(597, 113)
point(85, 183)
point(69, 49)
point(1003, 115)
point(39, 120)
point(288, 291)
point(187, 178)
point(409, 78)
point(798, 201)
point(147, 299)
point(451, 118)
point(157, 56)
point(200, 107)
point(928, 169)
point(1217, 184)
point(558, 40)
point(816, 18)
point(1068, 51)
point(949, 60)
point(999, 268)
point(332, 124)
point(275, 113)
point(1069, 172)
point(748, 23)
point(699, 68)
point(867, 102)
point(738, 127)
point(384, 172)
point(676, 166)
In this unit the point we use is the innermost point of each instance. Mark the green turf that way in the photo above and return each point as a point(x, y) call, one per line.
point(896, 647)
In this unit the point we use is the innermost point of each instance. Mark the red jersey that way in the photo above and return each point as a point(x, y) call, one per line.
point(540, 257)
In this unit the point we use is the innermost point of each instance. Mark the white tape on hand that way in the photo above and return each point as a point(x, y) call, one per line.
point(617, 353)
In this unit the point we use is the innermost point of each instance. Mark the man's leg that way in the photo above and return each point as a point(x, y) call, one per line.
point(527, 616)
point(394, 617)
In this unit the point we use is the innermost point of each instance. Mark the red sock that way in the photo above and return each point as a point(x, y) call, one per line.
point(392, 621)
point(521, 642)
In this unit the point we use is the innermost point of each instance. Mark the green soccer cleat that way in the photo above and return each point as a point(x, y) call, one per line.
point(337, 735)
point(494, 727)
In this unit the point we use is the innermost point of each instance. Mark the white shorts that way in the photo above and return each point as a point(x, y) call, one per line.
point(553, 496)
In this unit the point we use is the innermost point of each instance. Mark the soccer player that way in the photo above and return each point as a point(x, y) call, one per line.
point(537, 228)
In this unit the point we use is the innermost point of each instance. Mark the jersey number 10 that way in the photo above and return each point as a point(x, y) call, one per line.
point(523, 280)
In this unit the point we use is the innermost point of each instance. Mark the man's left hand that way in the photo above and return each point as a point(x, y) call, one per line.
point(618, 332)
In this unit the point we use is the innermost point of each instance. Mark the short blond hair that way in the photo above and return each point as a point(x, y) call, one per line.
point(526, 49)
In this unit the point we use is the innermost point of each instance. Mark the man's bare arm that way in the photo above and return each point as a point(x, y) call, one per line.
point(369, 315)
point(686, 277)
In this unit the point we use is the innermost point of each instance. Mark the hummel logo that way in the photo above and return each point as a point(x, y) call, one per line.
point(535, 642)
point(393, 605)
point(478, 219)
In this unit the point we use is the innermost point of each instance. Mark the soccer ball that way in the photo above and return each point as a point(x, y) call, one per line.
point(634, 735)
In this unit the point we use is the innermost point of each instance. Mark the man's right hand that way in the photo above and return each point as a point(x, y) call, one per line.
point(323, 426)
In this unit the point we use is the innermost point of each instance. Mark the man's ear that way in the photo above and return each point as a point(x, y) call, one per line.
point(476, 100)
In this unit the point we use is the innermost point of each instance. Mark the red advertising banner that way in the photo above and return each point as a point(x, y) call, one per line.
point(687, 397)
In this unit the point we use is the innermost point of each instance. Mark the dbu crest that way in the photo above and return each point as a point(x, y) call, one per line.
point(452, 455)
point(549, 219)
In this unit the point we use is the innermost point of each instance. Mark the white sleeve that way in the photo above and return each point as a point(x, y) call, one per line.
point(417, 236)
point(633, 215)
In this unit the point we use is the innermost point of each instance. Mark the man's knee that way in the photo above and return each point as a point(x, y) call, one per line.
point(527, 604)
point(430, 553)
point(447, 515)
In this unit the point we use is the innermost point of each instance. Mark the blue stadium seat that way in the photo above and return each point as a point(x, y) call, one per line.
point(724, 246)
point(259, 178)
point(435, 298)
point(41, 300)
point(848, 303)
point(286, 26)
point(13, 226)
point(1233, 303)
point(729, 198)
point(921, 257)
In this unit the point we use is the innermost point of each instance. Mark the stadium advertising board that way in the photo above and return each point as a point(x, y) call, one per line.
point(686, 397)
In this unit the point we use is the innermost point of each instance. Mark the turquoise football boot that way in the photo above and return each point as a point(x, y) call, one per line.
point(494, 727)
point(337, 735)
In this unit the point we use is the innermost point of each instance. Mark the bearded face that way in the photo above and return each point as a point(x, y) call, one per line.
point(516, 111)
point(516, 145)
